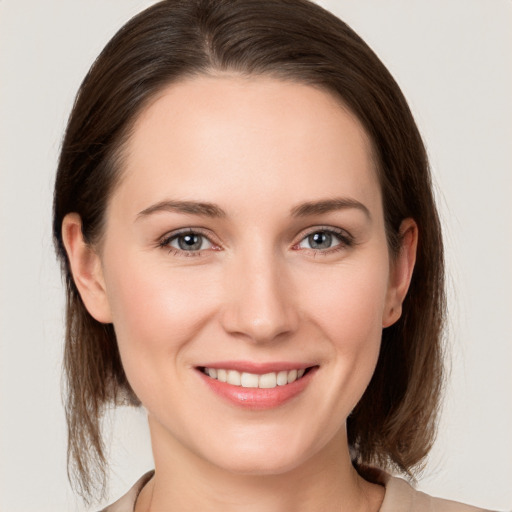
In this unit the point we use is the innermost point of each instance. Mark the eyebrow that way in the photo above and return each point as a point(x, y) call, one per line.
point(328, 205)
point(190, 207)
point(212, 210)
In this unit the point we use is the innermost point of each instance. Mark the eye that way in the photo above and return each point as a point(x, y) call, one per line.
point(323, 239)
point(188, 242)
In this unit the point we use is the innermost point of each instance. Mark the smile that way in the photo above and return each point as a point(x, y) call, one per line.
point(254, 380)
point(257, 387)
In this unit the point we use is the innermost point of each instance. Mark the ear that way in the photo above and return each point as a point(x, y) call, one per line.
point(86, 268)
point(401, 269)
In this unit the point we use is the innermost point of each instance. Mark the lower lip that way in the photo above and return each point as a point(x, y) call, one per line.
point(258, 398)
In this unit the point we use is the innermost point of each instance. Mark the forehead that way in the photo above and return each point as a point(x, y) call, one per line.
point(248, 136)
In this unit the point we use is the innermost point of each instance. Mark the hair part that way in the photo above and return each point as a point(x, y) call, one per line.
point(393, 425)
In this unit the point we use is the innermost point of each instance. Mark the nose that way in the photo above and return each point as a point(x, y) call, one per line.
point(259, 305)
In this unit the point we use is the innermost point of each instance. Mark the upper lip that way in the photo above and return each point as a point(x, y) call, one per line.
point(257, 368)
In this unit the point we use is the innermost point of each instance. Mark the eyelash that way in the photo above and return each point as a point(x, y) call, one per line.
point(346, 241)
point(165, 242)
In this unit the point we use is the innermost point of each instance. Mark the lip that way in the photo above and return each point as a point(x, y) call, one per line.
point(258, 398)
point(259, 368)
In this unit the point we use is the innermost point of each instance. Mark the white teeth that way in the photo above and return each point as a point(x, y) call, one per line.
point(234, 378)
point(253, 380)
point(249, 380)
point(282, 378)
point(268, 380)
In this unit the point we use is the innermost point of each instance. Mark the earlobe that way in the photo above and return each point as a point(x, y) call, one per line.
point(86, 268)
point(401, 272)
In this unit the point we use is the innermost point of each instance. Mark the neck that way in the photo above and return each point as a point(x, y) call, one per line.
point(185, 482)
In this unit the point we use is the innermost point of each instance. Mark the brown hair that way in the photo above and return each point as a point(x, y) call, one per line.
point(394, 423)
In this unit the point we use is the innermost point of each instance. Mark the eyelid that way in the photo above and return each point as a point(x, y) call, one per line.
point(166, 239)
point(347, 240)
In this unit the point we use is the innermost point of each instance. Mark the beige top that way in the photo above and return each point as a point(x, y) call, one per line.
point(400, 497)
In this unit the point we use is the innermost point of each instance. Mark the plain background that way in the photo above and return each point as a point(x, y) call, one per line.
point(452, 59)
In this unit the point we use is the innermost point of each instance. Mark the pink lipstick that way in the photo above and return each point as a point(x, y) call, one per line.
point(254, 385)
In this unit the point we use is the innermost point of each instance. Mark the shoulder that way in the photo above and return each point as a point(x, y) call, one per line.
point(402, 497)
point(127, 502)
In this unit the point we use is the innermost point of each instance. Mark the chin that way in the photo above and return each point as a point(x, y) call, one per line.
point(263, 455)
point(267, 463)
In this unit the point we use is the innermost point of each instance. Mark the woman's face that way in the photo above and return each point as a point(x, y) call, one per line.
point(246, 240)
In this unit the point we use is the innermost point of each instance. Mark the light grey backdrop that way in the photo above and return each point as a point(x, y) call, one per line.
point(453, 60)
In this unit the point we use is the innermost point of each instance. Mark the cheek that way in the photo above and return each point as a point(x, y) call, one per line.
point(155, 313)
point(349, 302)
point(146, 297)
point(348, 313)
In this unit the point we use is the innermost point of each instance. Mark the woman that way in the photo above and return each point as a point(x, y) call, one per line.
point(245, 219)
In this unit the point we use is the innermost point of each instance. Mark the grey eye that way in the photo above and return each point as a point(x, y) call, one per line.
point(190, 242)
point(320, 240)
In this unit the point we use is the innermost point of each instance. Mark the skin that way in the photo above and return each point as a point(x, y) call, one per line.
point(257, 291)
